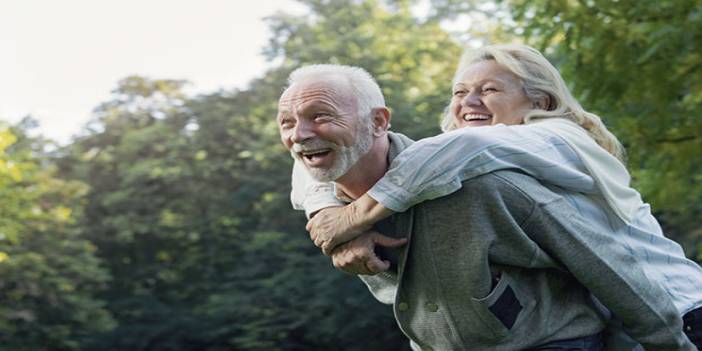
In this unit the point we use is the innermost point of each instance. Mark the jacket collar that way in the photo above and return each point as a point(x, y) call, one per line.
point(398, 142)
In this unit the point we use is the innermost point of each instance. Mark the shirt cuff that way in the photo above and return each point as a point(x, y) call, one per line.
point(390, 195)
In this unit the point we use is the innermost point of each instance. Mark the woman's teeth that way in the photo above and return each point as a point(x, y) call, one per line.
point(473, 117)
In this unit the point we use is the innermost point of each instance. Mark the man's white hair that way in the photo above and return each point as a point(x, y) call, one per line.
point(363, 86)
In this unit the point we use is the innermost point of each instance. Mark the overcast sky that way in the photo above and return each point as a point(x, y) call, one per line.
point(60, 59)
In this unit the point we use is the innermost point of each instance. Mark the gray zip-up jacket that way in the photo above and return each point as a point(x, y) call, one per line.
point(507, 264)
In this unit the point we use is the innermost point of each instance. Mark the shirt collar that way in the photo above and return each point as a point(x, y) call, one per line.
point(398, 142)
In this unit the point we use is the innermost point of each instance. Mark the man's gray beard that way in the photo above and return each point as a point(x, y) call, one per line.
point(346, 156)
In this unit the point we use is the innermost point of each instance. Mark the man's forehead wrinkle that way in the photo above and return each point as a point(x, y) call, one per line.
point(283, 113)
point(308, 97)
point(311, 93)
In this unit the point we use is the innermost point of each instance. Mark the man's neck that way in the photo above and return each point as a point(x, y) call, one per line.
point(367, 171)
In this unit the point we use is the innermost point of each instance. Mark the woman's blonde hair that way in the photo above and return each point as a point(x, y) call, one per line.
point(540, 80)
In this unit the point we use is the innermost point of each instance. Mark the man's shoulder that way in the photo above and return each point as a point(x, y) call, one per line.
point(509, 188)
point(511, 184)
point(400, 139)
point(500, 199)
point(398, 143)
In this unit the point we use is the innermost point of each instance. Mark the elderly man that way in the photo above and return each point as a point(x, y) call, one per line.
point(486, 268)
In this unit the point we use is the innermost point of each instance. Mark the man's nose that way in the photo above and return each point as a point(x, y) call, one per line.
point(472, 99)
point(301, 132)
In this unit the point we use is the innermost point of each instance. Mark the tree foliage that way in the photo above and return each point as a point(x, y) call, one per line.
point(413, 60)
point(638, 64)
point(50, 276)
point(634, 63)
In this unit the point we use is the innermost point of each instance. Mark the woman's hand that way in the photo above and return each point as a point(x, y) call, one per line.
point(336, 225)
point(358, 255)
point(333, 226)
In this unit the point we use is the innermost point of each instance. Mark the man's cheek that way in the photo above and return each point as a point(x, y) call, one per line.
point(285, 140)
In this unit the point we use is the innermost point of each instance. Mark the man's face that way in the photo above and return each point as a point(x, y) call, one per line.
point(319, 123)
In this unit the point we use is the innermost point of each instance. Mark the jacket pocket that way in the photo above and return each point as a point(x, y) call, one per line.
point(501, 310)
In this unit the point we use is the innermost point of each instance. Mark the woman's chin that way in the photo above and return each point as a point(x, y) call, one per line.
point(475, 123)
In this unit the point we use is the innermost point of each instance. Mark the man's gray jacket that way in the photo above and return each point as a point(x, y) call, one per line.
point(507, 264)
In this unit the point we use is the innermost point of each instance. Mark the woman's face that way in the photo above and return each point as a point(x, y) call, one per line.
point(488, 94)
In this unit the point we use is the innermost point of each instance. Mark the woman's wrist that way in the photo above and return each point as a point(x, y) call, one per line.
point(366, 212)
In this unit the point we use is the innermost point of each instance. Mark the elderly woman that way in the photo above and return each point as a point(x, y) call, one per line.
point(532, 123)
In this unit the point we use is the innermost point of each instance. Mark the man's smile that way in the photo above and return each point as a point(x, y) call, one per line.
point(315, 158)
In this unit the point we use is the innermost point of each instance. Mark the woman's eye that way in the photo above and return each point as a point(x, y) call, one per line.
point(321, 116)
point(489, 89)
point(459, 93)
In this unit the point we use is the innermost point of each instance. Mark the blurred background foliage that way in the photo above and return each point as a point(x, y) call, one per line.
point(166, 225)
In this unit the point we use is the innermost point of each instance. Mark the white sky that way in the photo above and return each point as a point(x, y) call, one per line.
point(60, 59)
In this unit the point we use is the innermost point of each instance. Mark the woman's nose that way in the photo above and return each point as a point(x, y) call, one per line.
point(471, 99)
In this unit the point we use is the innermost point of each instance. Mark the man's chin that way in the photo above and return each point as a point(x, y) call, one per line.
point(323, 175)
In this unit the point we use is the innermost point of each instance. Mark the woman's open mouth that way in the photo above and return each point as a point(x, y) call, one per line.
point(469, 117)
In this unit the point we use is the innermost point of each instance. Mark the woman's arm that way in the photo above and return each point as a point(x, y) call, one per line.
point(335, 225)
point(332, 222)
point(436, 166)
point(320, 203)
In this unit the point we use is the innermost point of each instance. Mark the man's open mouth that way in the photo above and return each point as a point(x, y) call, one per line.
point(315, 155)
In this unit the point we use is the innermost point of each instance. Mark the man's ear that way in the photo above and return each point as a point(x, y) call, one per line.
point(381, 121)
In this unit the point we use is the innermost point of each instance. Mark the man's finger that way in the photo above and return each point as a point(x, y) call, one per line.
point(356, 268)
point(374, 265)
point(327, 249)
point(387, 241)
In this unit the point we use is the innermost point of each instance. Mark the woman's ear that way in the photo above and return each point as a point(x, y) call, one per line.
point(381, 121)
point(543, 103)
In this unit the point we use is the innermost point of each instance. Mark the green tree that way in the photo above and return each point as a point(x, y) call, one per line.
point(412, 59)
point(188, 200)
point(204, 250)
point(183, 201)
point(49, 275)
point(637, 64)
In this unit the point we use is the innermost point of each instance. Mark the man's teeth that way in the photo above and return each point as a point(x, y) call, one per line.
point(315, 152)
point(472, 116)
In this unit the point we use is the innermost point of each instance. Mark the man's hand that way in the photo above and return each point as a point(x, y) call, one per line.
point(358, 255)
point(332, 226)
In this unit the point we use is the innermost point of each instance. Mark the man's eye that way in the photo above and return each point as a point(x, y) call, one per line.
point(459, 93)
point(321, 116)
point(489, 89)
point(287, 123)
